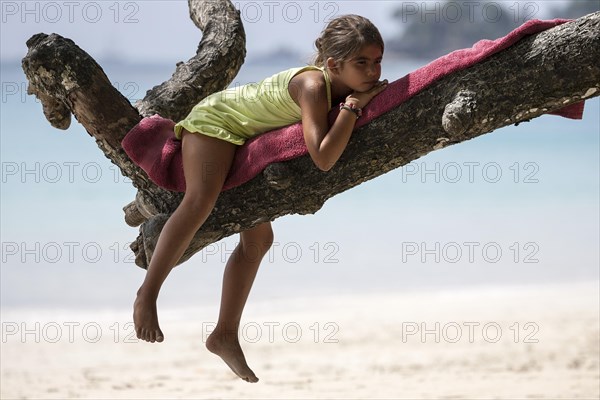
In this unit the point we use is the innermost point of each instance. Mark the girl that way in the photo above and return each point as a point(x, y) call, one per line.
point(346, 71)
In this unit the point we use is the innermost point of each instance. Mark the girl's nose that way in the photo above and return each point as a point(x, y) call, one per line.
point(372, 70)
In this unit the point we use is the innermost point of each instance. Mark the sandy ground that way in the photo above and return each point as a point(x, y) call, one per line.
point(510, 342)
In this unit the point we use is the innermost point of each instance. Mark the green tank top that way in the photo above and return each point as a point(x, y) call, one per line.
point(242, 112)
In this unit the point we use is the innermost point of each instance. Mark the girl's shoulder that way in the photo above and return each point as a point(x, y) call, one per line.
point(309, 77)
point(310, 84)
point(309, 80)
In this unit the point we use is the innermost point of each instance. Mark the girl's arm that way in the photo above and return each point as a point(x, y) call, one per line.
point(326, 145)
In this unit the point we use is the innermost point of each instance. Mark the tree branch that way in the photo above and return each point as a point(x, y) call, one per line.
point(68, 81)
point(218, 59)
point(539, 74)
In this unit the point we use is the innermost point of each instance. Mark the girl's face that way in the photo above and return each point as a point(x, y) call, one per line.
point(362, 71)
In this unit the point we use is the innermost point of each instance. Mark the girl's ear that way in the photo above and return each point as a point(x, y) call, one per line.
point(332, 65)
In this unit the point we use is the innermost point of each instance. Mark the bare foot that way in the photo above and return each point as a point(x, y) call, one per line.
point(145, 319)
point(227, 346)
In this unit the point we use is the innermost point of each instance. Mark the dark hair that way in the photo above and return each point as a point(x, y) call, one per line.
point(344, 36)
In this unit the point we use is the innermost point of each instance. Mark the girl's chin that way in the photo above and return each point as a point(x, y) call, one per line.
point(365, 88)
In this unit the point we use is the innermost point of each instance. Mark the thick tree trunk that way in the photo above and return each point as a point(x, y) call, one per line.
point(539, 74)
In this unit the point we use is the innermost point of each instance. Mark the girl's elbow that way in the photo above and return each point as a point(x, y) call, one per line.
point(323, 168)
point(321, 158)
point(324, 164)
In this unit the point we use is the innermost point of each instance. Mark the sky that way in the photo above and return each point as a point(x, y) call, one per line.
point(519, 205)
point(161, 31)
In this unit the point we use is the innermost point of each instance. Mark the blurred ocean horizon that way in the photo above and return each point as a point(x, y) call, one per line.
point(517, 206)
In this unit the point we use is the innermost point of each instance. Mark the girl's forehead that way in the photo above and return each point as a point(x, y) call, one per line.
point(368, 51)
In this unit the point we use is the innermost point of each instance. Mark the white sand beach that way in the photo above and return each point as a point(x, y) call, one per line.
point(504, 342)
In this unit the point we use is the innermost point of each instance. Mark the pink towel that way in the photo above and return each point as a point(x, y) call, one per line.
point(151, 144)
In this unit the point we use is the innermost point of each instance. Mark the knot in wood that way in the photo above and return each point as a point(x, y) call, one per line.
point(278, 176)
point(458, 114)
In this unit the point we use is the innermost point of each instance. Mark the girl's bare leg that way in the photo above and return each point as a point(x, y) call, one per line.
point(237, 280)
point(206, 162)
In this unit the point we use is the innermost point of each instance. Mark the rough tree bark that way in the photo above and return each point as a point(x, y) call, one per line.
point(539, 74)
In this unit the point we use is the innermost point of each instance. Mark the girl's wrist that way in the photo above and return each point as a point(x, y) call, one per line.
point(352, 101)
point(352, 108)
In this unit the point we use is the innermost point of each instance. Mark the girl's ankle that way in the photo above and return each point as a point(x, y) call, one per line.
point(145, 293)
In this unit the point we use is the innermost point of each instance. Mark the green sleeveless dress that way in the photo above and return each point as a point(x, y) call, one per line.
point(240, 113)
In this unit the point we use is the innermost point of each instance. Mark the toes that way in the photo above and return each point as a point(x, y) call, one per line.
point(148, 335)
point(156, 336)
point(251, 379)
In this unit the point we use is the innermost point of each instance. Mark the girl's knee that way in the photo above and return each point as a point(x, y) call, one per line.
point(267, 236)
point(260, 238)
point(197, 207)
